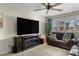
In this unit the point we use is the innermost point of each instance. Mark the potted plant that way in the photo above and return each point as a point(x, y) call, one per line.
point(47, 30)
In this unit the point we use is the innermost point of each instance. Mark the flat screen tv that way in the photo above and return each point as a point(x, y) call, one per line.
point(27, 26)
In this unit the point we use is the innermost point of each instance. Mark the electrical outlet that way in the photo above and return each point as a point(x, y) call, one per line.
point(9, 46)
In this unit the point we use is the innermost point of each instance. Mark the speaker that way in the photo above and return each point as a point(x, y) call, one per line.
point(17, 44)
point(14, 49)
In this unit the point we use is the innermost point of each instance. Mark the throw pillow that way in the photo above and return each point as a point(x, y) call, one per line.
point(53, 37)
point(66, 37)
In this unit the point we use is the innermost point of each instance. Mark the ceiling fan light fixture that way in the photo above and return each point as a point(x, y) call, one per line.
point(48, 6)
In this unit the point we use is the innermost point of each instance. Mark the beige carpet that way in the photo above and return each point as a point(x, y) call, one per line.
point(43, 50)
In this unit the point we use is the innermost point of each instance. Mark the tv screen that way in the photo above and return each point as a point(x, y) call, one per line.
point(27, 26)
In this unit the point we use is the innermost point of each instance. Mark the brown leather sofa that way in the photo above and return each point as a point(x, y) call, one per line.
point(59, 36)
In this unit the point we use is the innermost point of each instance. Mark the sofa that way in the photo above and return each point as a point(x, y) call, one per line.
point(59, 42)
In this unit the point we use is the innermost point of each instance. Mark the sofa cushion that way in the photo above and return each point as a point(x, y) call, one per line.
point(66, 37)
point(53, 37)
point(58, 35)
point(61, 41)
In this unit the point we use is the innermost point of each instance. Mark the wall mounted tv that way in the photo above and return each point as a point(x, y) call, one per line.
point(27, 26)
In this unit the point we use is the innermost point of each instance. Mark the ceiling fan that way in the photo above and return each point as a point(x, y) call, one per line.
point(48, 6)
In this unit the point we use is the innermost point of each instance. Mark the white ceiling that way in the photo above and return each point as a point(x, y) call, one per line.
point(23, 7)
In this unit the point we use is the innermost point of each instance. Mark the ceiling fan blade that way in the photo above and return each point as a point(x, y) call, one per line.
point(57, 9)
point(44, 4)
point(39, 9)
point(47, 11)
point(56, 4)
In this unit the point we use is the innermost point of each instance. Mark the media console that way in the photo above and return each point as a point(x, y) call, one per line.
point(24, 42)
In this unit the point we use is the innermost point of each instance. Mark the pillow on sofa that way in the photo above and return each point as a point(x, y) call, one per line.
point(78, 44)
point(53, 37)
point(66, 37)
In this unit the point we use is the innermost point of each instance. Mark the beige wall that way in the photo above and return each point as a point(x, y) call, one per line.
point(9, 26)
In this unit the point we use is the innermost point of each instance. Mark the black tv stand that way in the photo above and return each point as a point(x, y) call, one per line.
point(24, 42)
